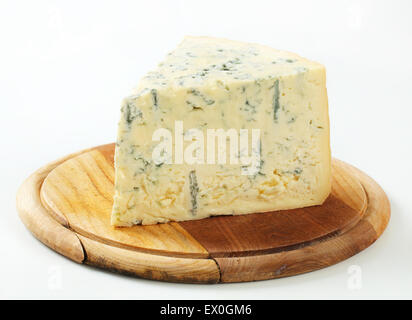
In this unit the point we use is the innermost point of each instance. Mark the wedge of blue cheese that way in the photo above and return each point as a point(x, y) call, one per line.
point(209, 83)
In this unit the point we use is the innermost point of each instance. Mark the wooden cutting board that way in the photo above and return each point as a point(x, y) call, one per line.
point(67, 205)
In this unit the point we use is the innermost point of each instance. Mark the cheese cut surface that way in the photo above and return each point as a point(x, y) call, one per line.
point(209, 83)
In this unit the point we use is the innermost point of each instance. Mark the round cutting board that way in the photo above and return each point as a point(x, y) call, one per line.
point(67, 206)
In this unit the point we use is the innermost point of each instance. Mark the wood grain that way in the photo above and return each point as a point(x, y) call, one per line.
point(150, 266)
point(67, 204)
point(287, 263)
point(379, 209)
point(272, 231)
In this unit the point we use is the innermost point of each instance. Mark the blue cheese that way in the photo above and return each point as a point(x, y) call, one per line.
point(209, 83)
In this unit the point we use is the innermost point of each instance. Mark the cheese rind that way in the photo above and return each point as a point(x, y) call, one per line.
point(209, 83)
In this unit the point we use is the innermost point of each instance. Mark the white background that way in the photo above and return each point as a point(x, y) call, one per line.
point(66, 65)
